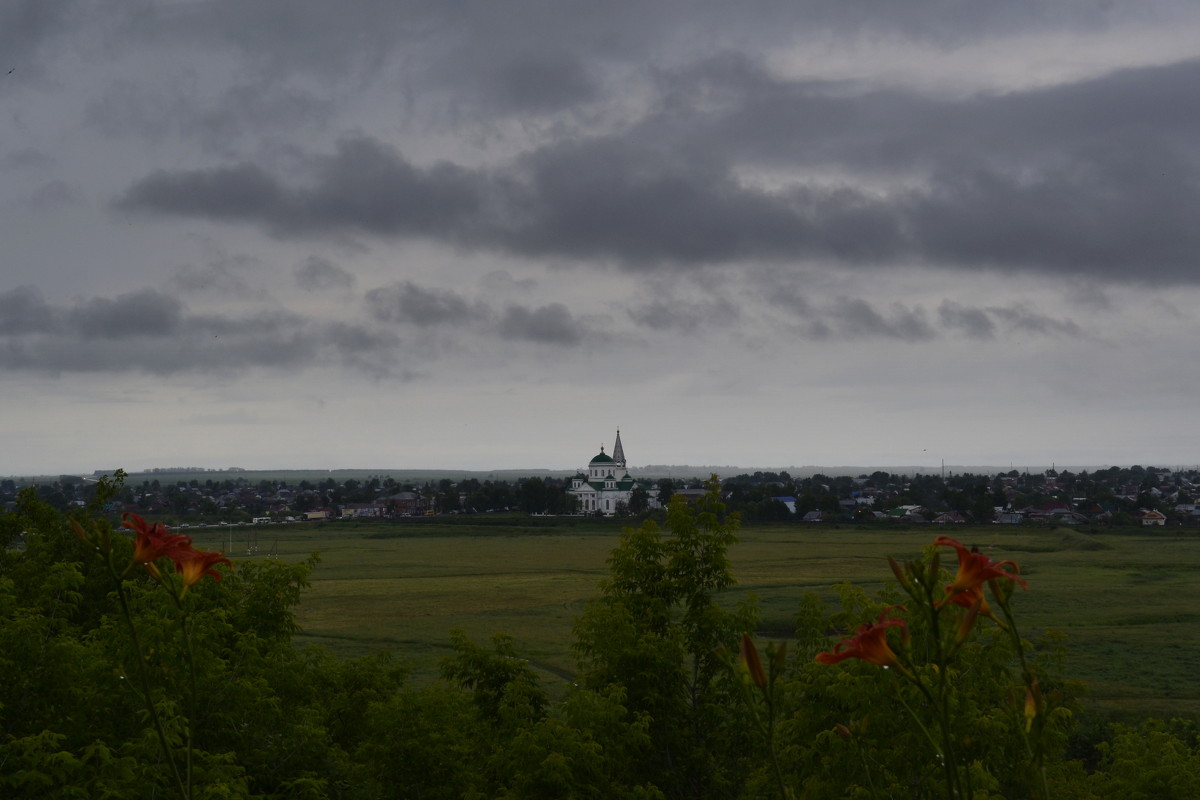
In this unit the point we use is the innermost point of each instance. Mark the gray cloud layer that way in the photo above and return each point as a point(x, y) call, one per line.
point(1098, 178)
point(407, 302)
point(153, 332)
point(148, 331)
point(281, 209)
point(317, 273)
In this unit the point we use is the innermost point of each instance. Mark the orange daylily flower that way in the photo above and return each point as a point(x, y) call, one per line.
point(153, 541)
point(869, 642)
point(974, 570)
point(970, 599)
point(194, 565)
point(977, 606)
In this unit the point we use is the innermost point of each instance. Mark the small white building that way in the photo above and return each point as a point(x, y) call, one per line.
point(607, 484)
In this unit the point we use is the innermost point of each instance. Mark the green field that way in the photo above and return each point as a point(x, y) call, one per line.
point(1126, 600)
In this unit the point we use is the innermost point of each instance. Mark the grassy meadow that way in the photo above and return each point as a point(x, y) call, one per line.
point(1126, 600)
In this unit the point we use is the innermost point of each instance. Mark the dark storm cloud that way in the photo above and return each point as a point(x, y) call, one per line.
point(317, 274)
point(619, 200)
point(24, 310)
point(243, 192)
point(357, 35)
point(349, 339)
point(971, 322)
point(849, 318)
point(51, 196)
point(1022, 319)
point(366, 186)
point(26, 26)
point(1090, 297)
point(407, 302)
point(548, 324)
point(982, 323)
point(369, 186)
point(789, 299)
point(856, 318)
point(152, 332)
point(501, 281)
point(224, 275)
point(595, 199)
point(366, 350)
point(144, 313)
point(685, 317)
point(28, 158)
point(1117, 210)
point(307, 36)
point(731, 104)
point(542, 82)
point(1098, 177)
point(180, 109)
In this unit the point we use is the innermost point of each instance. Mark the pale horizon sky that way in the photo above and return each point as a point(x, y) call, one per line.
point(298, 234)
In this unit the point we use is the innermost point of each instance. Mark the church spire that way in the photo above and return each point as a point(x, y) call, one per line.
point(618, 453)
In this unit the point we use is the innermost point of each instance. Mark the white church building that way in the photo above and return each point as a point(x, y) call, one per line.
point(607, 483)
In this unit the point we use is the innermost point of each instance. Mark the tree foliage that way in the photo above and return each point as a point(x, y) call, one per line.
point(658, 632)
point(656, 710)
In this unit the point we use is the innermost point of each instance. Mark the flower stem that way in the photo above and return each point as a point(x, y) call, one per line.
point(184, 620)
point(1036, 755)
point(144, 681)
point(942, 702)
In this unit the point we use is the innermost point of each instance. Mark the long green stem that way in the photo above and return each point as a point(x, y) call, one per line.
point(767, 729)
point(144, 681)
point(1036, 758)
point(862, 759)
point(941, 704)
point(784, 792)
point(937, 747)
point(191, 717)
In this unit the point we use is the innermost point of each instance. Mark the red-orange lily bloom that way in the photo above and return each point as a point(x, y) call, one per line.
point(968, 598)
point(869, 642)
point(194, 565)
point(153, 541)
point(974, 570)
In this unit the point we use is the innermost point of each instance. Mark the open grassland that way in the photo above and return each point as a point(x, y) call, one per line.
point(1126, 600)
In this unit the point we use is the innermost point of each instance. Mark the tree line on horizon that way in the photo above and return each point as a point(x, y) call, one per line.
point(758, 496)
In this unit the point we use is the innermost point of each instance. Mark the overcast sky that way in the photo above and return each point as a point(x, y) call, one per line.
point(375, 233)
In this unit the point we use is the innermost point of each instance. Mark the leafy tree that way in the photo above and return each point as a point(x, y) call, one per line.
point(581, 750)
point(534, 495)
point(422, 744)
point(639, 500)
point(1154, 760)
point(504, 688)
point(983, 508)
point(657, 632)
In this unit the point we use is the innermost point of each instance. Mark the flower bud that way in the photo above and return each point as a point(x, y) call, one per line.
point(752, 662)
point(898, 571)
point(1032, 702)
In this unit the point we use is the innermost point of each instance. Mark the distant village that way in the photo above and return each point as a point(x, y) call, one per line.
point(1132, 495)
